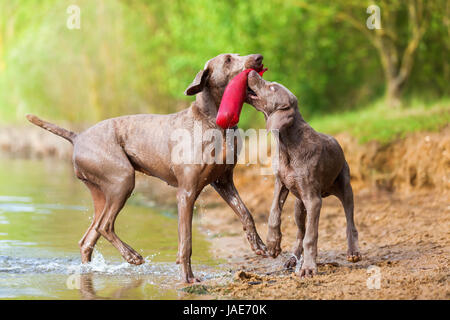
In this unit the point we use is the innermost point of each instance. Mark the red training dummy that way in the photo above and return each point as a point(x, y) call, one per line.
point(233, 99)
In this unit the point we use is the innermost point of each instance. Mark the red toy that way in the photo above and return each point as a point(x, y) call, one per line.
point(233, 99)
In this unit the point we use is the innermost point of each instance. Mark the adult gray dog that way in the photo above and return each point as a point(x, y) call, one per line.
point(312, 166)
point(106, 156)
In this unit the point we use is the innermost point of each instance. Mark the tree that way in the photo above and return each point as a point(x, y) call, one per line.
point(403, 25)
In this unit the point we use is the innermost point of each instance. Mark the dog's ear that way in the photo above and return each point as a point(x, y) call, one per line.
point(198, 84)
point(281, 118)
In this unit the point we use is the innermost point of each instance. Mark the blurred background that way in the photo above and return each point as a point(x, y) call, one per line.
point(138, 56)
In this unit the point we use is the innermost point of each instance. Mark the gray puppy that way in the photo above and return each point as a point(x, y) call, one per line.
point(312, 166)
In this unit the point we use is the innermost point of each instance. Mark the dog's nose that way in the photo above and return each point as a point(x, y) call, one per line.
point(254, 61)
point(258, 58)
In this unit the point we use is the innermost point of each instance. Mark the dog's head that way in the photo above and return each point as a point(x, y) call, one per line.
point(218, 72)
point(278, 104)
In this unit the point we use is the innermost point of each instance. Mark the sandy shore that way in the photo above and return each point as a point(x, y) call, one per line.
point(406, 236)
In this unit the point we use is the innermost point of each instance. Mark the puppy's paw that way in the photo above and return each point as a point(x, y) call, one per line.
point(191, 280)
point(308, 270)
point(273, 248)
point(273, 244)
point(290, 263)
point(354, 256)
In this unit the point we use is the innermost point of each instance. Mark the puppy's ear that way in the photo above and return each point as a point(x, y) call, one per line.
point(281, 119)
point(198, 84)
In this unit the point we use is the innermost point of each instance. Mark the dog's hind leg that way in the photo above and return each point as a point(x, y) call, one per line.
point(110, 177)
point(343, 190)
point(300, 219)
point(116, 194)
point(313, 203)
point(91, 236)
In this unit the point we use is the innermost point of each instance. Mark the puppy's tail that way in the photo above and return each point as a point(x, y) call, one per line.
point(53, 128)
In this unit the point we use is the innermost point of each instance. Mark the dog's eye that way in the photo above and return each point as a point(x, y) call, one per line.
point(283, 107)
point(228, 59)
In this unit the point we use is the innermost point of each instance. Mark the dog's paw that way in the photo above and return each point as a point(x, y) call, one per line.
point(257, 244)
point(260, 250)
point(274, 251)
point(189, 278)
point(308, 270)
point(192, 280)
point(273, 242)
point(290, 263)
point(273, 247)
point(354, 256)
point(134, 258)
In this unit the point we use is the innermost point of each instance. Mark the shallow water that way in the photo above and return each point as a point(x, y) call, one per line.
point(45, 210)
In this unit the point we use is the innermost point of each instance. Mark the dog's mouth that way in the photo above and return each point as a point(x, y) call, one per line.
point(260, 68)
point(251, 95)
point(253, 79)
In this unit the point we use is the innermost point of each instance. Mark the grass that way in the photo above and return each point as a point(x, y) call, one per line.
point(383, 124)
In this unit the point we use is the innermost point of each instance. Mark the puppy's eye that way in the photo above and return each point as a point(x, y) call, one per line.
point(228, 59)
point(283, 107)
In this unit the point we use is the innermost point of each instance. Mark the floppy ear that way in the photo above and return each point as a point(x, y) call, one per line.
point(198, 84)
point(280, 119)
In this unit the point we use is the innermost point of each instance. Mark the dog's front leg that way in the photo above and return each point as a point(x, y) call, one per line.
point(274, 225)
point(186, 199)
point(300, 220)
point(227, 190)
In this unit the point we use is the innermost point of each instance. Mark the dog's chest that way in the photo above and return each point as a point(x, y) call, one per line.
point(290, 178)
point(287, 176)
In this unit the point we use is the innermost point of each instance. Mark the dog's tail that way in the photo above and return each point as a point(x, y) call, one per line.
point(53, 128)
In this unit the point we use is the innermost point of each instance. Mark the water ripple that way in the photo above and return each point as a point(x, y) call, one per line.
point(65, 265)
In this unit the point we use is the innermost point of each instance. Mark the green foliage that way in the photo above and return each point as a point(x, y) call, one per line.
point(135, 56)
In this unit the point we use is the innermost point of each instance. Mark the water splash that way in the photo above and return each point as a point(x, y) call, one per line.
point(299, 262)
point(98, 265)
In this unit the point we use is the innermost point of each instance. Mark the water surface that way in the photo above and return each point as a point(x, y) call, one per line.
point(45, 210)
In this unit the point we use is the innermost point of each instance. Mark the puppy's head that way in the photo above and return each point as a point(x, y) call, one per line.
point(278, 104)
point(220, 70)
